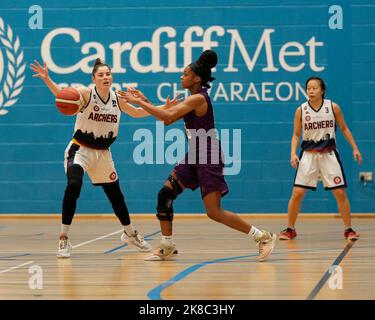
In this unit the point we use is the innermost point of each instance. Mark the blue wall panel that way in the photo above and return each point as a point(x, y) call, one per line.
point(260, 102)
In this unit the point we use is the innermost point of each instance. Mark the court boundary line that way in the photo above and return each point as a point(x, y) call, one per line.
point(15, 256)
point(95, 239)
point(76, 246)
point(16, 267)
point(146, 237)
point(315, 291)
point(155, 293)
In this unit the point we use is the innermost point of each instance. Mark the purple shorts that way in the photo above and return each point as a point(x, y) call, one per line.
point(210, 178)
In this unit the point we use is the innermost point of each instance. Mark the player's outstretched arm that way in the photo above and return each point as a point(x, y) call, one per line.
point(42, 73)
point(139, 94)
point(171, 111)
point(135, 96)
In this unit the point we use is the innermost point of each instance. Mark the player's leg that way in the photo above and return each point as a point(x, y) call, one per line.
point(117, 200)
point(103, 173)
point(333, 177)
point(213, 188)
point(294, 208)
point(167, 194)
point(212, 203)
point(343, 205)
point(306, 178)
point(264, 239)
point(72, 192)
point(74, 173)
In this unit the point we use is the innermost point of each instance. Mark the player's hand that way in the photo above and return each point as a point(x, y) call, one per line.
point(357, 156)
point(40, 71)
point(137, 93)
point(128, 96)
point(168, 103)
point(294, 161)
point(175, 100)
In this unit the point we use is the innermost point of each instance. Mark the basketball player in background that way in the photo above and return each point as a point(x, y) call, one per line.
point(319, 158)
point(96, 128)
point(203, 166)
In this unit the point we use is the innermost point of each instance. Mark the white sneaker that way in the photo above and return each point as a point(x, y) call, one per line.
point(166, 251)
point(266, 243)
point(137, 241)
point(65, 248)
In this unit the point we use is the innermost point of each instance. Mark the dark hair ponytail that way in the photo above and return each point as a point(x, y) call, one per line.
point(321, 82)
point(202, 67)
point(99, 63)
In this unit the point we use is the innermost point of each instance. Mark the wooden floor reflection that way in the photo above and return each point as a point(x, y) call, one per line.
point(214, 262)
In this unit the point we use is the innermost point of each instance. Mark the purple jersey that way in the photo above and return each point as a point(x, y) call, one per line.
point(204, 144)
point(202, 166)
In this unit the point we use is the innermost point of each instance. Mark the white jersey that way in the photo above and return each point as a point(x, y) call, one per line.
point(318, 127)
point(97, 123)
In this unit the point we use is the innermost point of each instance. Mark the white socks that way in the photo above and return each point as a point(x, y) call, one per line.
point(255, 233)
point(64, 230)
point(129, 230)
point(168, 239)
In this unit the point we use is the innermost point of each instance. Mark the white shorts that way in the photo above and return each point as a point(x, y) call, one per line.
point(97, 163)
point(315, 166)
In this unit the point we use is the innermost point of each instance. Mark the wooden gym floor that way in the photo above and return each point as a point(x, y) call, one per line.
point(214, 262)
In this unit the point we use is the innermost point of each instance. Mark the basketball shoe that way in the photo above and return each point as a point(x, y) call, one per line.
point(288, 234)
point(65, 248)
point(166, 251)
point(350, 234)
point(266, 243)
point(136, 240)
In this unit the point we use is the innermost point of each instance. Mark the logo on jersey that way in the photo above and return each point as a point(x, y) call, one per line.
point(103, 117)
point(113, 176)
point(316, 125)
point(307, 118)
point(96, 108)
point(336, 180)
point(114, 103)
point(11, 77)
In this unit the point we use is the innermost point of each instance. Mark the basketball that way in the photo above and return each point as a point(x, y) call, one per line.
point(69, 101)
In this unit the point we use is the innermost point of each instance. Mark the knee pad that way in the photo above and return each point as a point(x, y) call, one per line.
point(165, 204)
point(74, 174)
point(175, 185)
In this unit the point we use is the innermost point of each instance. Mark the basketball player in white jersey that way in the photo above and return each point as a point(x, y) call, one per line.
point(319, 159)
point(96, 128)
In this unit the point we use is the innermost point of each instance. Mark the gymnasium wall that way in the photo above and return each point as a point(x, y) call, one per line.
point(267, 49)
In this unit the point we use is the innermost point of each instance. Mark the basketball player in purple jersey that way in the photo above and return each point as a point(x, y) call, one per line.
point(203, 166)
point(319, 159)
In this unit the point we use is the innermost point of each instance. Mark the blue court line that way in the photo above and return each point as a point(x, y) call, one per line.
point(155, 293)
point(327, 275)
point(17, 255)
point(125, 245)
point(23, 236)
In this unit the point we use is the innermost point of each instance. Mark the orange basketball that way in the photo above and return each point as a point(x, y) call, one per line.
point(69, 101)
